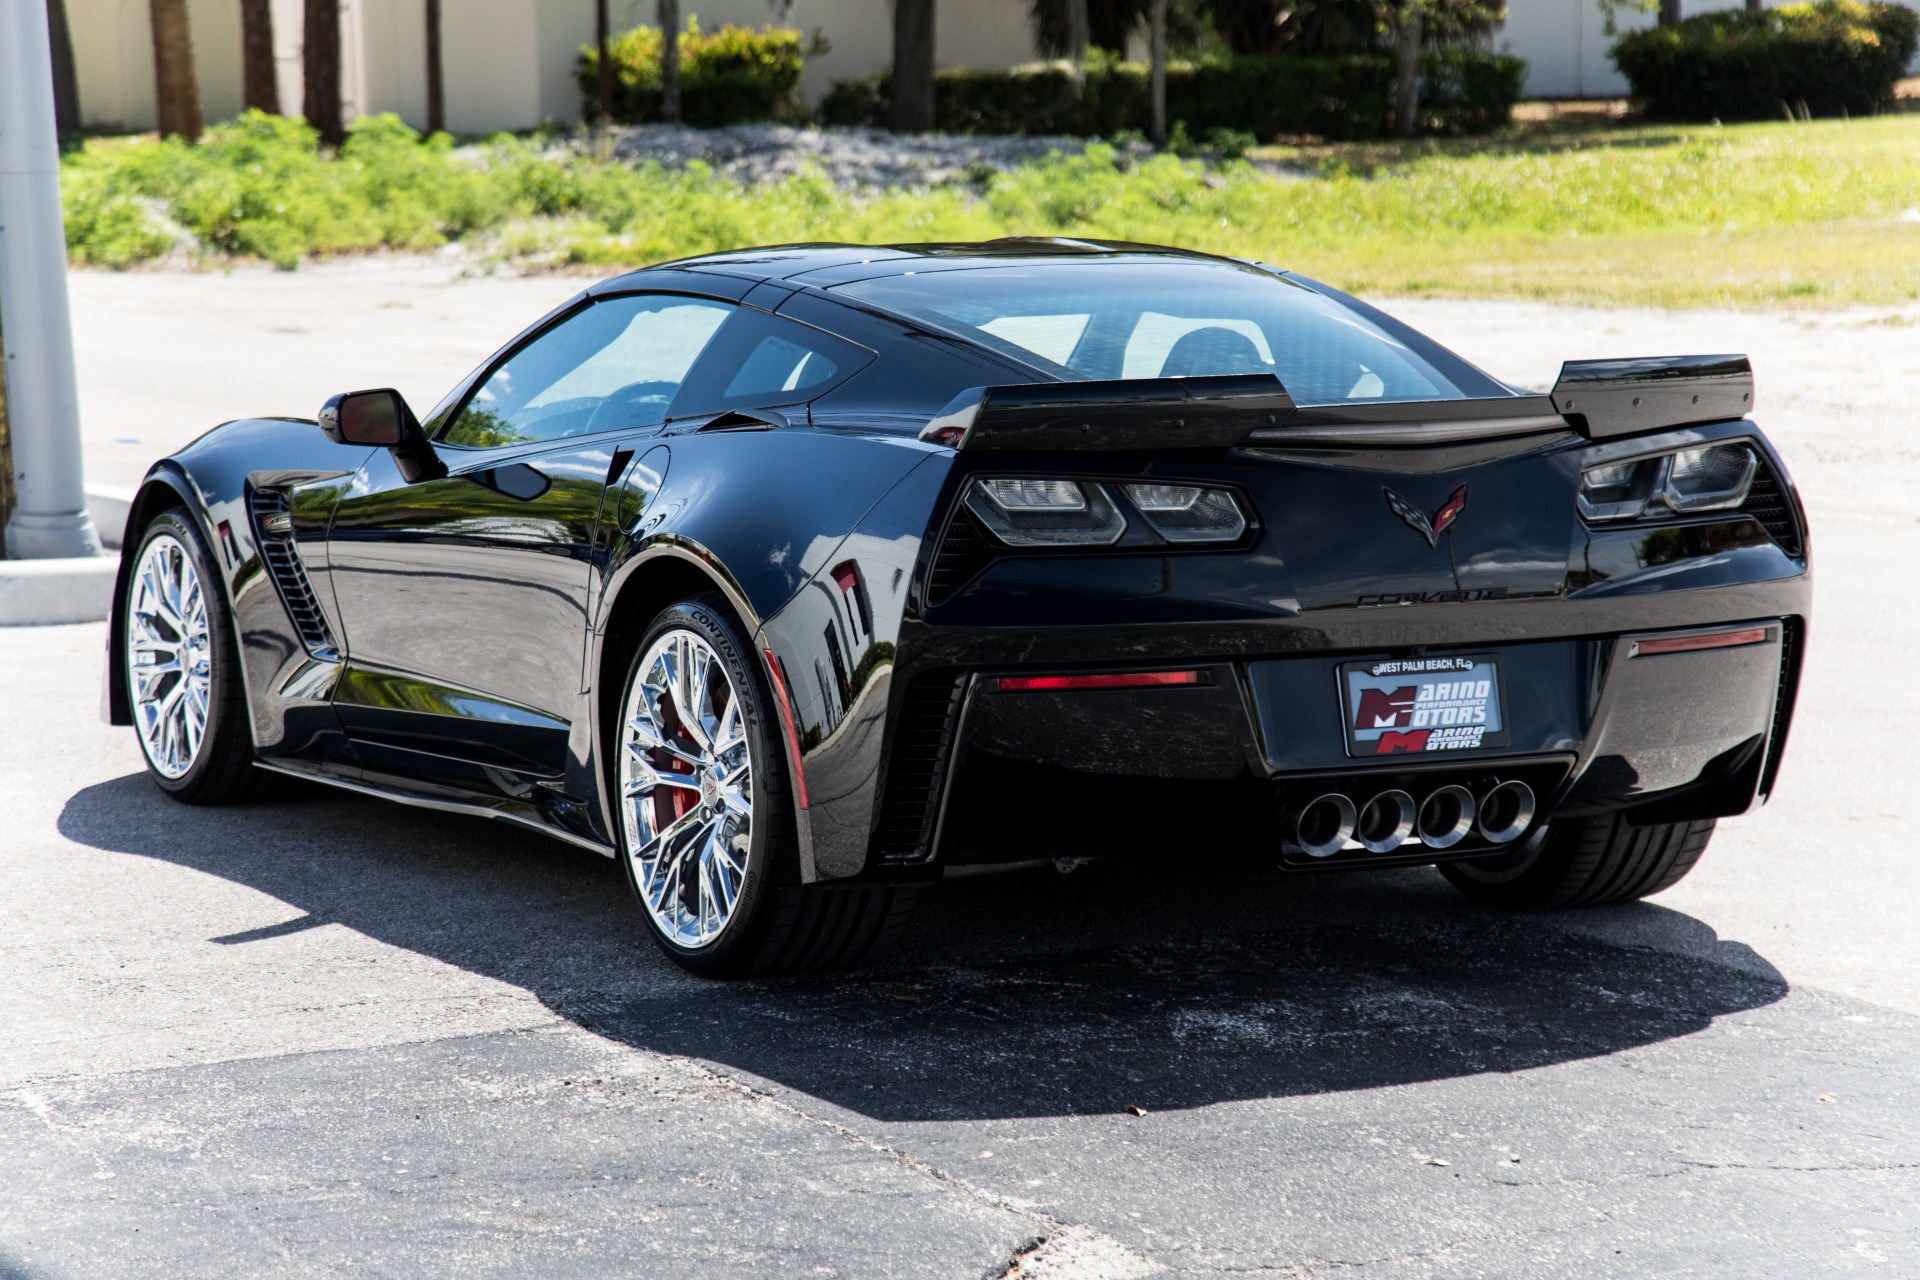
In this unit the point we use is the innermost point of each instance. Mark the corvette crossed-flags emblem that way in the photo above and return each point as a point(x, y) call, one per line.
point(1442, 520)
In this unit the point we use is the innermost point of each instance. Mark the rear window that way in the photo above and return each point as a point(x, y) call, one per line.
point(1166, 320)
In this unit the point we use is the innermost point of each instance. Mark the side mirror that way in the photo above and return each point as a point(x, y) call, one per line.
point(367, 417)
point(381, 417)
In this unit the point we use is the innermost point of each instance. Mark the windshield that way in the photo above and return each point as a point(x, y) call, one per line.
point(1166, 320)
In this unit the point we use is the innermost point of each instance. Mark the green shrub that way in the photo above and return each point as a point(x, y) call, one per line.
point(262, 187)
point(1835, 56)
point(729, 77)
point(1336, 98)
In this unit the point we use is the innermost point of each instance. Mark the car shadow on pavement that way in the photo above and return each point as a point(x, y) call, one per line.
point(1026, 994)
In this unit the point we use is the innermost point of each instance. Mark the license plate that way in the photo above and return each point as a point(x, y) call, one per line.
point(1422, 705)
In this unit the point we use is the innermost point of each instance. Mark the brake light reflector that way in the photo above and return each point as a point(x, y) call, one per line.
point(1691, 644)
point(1108, 680)
point(786, 724)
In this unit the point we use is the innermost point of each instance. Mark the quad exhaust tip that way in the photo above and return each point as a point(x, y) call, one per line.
point(1446, 817)
point(1386, 822)
point(1506, 812)
point(1324, 824)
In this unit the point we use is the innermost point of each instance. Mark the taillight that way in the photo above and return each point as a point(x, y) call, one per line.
point(1035, 511)
point(1713, 477)
point(1188, 512)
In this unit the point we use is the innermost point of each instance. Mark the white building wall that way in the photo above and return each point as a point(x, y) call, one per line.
point(509, 63)
point(989, 34)
point(1565, 43)
point(113, 59)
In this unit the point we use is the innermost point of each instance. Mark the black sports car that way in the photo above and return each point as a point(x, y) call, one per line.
point(795, 577)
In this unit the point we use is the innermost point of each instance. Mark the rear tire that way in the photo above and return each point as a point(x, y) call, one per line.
point(1583, 862)
point(721, 894)
point(188, 699)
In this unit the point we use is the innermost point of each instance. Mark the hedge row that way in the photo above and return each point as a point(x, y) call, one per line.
point(1833, 56)
point(731, 76)
point(1335, 98)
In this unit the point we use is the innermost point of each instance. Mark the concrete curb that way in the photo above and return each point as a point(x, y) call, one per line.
point(109, 507)
point(45, 592)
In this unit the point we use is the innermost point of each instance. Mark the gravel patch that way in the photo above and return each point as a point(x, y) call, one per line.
point(849, 158)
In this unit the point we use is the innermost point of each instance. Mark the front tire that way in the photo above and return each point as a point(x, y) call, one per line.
point(183, 671)
point(1583, 862)
point(707, 825)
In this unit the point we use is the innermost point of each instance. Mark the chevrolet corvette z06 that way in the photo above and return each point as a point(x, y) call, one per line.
point(793, 578)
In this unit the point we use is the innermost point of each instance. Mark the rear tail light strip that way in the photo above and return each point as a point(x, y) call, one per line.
point(1108, 680)
point(1695, 643)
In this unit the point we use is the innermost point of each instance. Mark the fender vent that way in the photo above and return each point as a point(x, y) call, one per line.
point(964, 552)
point(1783, 699)
point(916, 772)
point(288, 574)
point(1768, 504)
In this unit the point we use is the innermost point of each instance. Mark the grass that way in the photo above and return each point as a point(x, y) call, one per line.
point(1817, 214)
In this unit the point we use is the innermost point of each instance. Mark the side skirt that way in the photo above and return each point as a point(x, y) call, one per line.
point(504, 811)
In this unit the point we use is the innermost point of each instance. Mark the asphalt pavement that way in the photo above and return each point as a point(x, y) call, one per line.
point(324, 1034)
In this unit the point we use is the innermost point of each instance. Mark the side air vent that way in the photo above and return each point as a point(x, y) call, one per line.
point(272, 523)
point(1783, 699)
point(916, 772)
point(1767, 503)
point(964, 552)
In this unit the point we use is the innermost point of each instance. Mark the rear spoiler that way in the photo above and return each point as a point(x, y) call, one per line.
point(1607, 398)
point(1111, 417)
point(1599, 398)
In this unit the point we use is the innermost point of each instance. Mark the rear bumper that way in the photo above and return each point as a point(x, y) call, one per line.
point(1218, 769)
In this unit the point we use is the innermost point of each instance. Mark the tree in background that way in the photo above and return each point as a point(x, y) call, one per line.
point(1078, 36)
point(436, 73)
point(1313, 28)
point(1157, 73)
point(66, 83)
point(1067, 28)
point(913, 64)
point(259, 84)
point(1408, 25)
point(320, 70)
point(669, 15)
point(175, 86)
point(603, 42)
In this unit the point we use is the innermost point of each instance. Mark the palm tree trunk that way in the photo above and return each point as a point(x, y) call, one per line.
point(913, 62)
point(1406, 87)
point(176, 89)
point(436, 73)
point(1079, 34)
point(1157, 73)
point(603, 78)
point(1670, 13)
point(670, 60)
point(320, 67)
point(259, 85)
point(66, 82)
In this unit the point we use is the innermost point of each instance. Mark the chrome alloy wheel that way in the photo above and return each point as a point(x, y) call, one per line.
point(686, 788)
point(169, 656)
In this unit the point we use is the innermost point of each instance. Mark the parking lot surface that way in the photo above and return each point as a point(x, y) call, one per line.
point(325, 1033)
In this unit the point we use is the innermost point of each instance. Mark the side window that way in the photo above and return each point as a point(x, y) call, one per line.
point(759, 360)
point(619, 363)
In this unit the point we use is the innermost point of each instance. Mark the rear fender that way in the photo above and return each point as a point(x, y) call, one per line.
point(756, 518)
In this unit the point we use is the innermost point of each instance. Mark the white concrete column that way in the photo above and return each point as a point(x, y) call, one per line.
point(43, 409)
